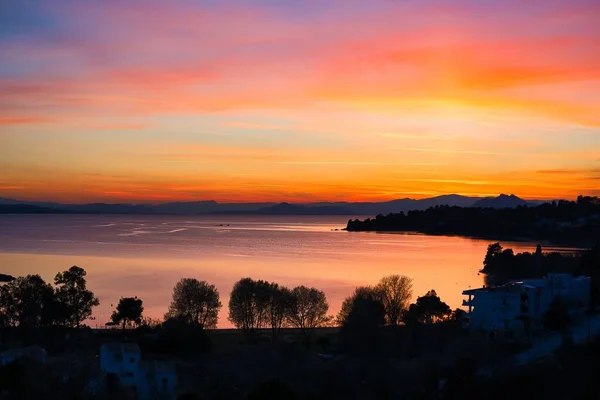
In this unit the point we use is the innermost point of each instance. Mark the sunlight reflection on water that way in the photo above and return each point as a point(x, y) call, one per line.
point(144, 256)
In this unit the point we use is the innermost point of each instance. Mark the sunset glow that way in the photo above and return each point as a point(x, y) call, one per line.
point(153, 101)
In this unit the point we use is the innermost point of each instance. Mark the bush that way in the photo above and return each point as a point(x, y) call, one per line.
point(180, 337)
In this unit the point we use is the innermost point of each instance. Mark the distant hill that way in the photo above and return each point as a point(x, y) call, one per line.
point(319, 208)
point(208, 207)
point(503, 201)
point(102, 208)
point(29, 209)
point(5, 201)
point(294, 209)
point(395, 206)
point(560, 222)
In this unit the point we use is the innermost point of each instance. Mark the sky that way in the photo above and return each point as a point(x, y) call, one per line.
point(154, 101)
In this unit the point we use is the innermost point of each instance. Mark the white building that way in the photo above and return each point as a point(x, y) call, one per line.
point(509, 308)
point(122, 360)
point(146, 380)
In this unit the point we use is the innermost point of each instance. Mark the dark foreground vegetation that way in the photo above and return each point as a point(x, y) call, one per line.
point(570, 374)
point(287, 345)
point(561, 222)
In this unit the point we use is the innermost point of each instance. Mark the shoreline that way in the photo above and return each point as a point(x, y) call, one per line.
point(575, 245)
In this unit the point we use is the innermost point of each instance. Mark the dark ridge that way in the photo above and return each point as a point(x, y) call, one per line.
point(560, 222)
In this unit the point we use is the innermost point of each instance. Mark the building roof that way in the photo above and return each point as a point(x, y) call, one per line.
point(516, 286)
point(511, 287)
point(473, 291)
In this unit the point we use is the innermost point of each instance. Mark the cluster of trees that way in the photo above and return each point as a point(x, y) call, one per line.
point(195, 303)
point(369, 309)
point(503, 264)
point(563, 221)
point(254, 305)
point(128, 313)
point(388, 303)
point(258, 304)
point(30, 302)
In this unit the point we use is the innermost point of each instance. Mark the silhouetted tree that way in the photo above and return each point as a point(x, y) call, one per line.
point(197, 302)
point(6, 278)
point(309, 310)
point(557, 317)
point(72, 292)
point(493, 251)
point(129, 311)
point(395, 292)
point(6, 307)
point(280, 302)
point(459, 315)
point(364, 292)
point(248, 305)
point(361, 324)
point(428, 309)
point(538, 250)
point(25, 301)
point(56, 313)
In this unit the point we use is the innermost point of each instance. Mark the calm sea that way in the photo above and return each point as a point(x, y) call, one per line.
point(145, 256)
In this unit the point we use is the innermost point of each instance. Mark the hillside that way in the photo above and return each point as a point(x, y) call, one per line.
point(563, 221)
point(317, 208)
point(502, 201)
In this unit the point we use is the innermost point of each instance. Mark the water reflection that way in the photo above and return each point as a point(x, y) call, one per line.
point(145, 256)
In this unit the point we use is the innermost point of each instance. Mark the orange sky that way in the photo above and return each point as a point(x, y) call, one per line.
point(243, 101)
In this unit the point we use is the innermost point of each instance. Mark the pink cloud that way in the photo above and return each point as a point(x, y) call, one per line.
point(155, 57)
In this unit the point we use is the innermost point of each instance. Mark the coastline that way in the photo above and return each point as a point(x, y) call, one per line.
point(575, 244)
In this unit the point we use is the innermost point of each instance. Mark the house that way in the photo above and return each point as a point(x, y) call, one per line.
point(145, 379)
point(34, 354)
point(122, 360)
point(520, 305)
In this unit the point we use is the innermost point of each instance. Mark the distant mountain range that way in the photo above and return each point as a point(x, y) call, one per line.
point(213, 207)
point(504, 201)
